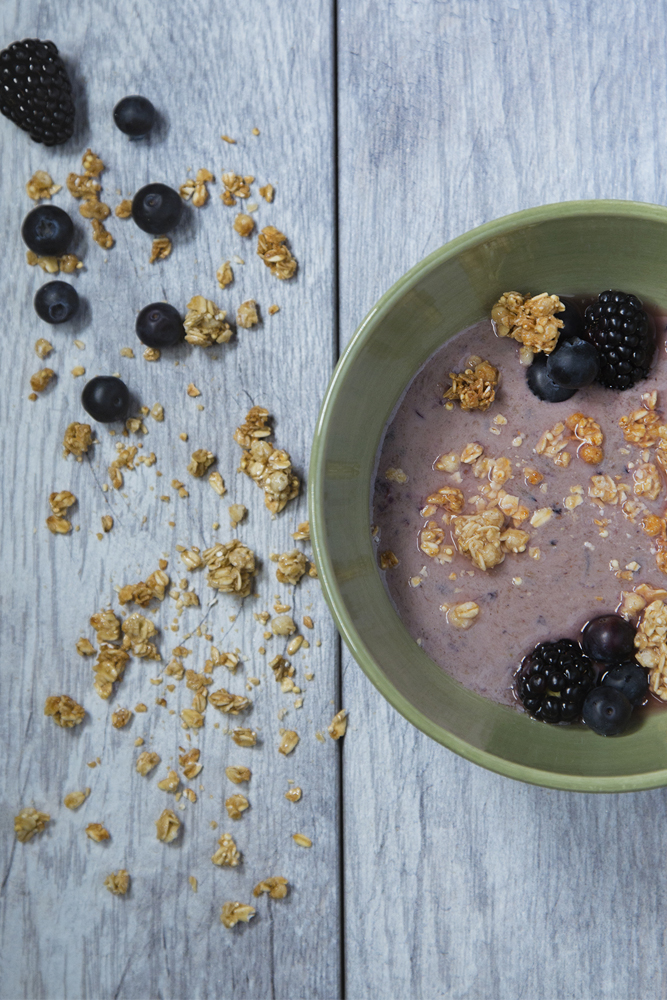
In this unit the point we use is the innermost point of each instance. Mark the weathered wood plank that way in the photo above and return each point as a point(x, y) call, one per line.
point(217, 68)
point(460, 883)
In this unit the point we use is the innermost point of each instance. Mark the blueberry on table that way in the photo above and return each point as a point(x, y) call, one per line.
point(35, 91)
point(105, 398)
point(574, 364)
point(630, 679)
point(609, 638)
point(157, 208)
point(56, 302)
point(544, 387)
point(606, 711)
point(135, 116)
point(617, 324)
point(159, 325)
point(47, 230)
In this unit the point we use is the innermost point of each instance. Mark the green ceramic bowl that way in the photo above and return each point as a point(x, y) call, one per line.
point(577, 246)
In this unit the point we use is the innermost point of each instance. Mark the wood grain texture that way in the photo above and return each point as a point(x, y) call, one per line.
point(210, 69)
point(460, 883)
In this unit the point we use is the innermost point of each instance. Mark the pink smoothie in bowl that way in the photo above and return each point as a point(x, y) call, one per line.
point(572, 495)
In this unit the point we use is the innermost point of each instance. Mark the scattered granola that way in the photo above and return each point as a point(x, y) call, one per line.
point(58, 525)
point(236, 805)
point(338, 725)
point(229, 704)
point(302, 840)
point(109, 668)
point(196, 189)
point(224, 274)
point(124, 210)
point(244, 737)
point(291, 567)
point(41, 186)
point(235, 187)
point(29, 822)
point(160, 250)
point(232, 913)
point(137, 631)
point(461, 616)
point(120, 718)
point(146, 761)
point(84, 647)
point(267, 192)
point(293, 794)
point(170, 783)
point(227, 854)
point(68, 263)
point(231, 567)
point(41, 379)
point(238, 775)
point(65, 711)
point(270, 468)
point(244, 224)
point(272, 250)
point(247, 315)
point(475, 388)
point(118, 882)
point(97, 832)
point(288, 742)
point(167, 826)
point(78, 439)
point(43, 348)
point(276, 886)
point(74, 799)
point(106, 625)
point(205, 324)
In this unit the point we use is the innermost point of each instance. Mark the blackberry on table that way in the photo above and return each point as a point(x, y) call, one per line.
point(619, 327)
point(35, 91)
point(554, 680)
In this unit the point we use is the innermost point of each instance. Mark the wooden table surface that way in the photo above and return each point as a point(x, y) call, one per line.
point(387, 129)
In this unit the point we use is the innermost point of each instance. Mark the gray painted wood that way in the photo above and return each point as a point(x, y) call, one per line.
point(211, 68)
point(460, 883)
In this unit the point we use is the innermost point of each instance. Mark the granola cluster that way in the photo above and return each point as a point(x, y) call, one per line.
point(195, 188)
point(142, 593)
point(67, 263)
point(64, 710)
point(87, 189)
point(272, 250)
point(227, 854)
point(269, 467)
point(29, 822)
point(532, 320)
point(78, 439)
point(231, 567)
point(59, 503)
point(475, 388)
point(232, 913)
point(579, 428)
point(200, 462)
point(235, 187)
point(41, 186)
point(651, 645)
point(484, 538)
point(205, 324)
point(118, 882)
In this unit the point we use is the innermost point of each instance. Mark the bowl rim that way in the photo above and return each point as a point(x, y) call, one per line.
point(316, 480)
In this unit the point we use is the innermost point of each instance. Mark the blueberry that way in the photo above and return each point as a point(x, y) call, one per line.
point(609, 638)
point(47, 230)
point(159, 325)
point(630, 679)
point(156, 208)
point(574, 364)
point(56, 302)
point(105, 398)
point(135, 116)
point(542, 386)
point(606, 711)
point(573, 321)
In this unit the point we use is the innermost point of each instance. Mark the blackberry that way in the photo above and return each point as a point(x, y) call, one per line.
point(554, 680)
point(35, 91)
point(619, 327)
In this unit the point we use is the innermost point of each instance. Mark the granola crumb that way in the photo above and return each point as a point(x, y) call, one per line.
point(273, 309)
point(338, 725)
point(193, 883)
point(227, 854)
point(118, 882)
point(200, 461)
point(288, 742)
point(107, 522)
point(232, 913)
point(193, 391)
point(146, 761)
point(41, 379)
point(97, 832)
point(78, 371)
point(140, 708)
point(244, 737)
point(272, 250)
point(244, 224)
point(41, 186)
point(461, 616)
point(84, 647)
point(43, 348)
point(170, 783)
point(276, 886)
point(167, 826)
point(237, 512)
point(294, 794)
point(29, 822)
point(124, 209)
point(388, 559)
point(238, 775)
point(64, 710)
point(226, 138)
point(78, 439)
point(160, 249)
point(302, 840)
point(224, 274)
point(101, 236)
point(74, 799)
point(267, 192)
point(247, 315)
point(236, 805)
point(120, 718)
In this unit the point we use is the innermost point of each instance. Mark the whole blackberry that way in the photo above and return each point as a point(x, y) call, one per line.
point(554, 681)
point(620, 329)
point(35, 91)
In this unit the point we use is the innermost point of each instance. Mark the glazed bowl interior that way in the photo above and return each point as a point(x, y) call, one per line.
point(575, 248)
